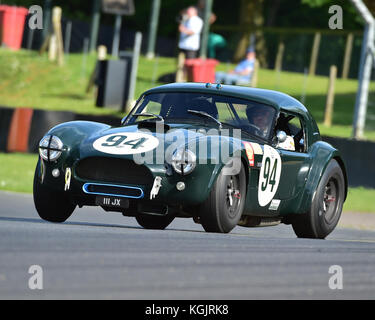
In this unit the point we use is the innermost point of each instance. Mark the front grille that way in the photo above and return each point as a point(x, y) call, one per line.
point(113, 170)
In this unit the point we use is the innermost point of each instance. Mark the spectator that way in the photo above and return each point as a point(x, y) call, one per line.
point(190, 29)
point(215, 42)
point(241, 74)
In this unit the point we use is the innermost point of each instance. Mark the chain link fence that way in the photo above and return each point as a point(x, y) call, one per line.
point(298, 45)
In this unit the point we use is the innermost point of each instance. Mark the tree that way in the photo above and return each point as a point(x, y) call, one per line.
point(251, 19)
point(347, 6)
point(371, 6)
point(272, 12)
point(318, 3)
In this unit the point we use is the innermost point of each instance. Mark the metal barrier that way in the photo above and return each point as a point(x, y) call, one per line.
point(359, 158)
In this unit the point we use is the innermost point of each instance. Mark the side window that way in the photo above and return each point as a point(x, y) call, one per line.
point(226, 114)
point(149, 106)
point(293, 127)
point(153, 107)
point(220, 107)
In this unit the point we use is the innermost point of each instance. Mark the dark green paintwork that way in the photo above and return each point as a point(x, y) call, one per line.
point(300, 175)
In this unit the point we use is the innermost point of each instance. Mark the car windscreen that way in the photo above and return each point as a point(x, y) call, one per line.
point(254, 117)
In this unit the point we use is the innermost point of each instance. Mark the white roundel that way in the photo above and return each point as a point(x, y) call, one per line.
point(269, 176)
point(126, 143)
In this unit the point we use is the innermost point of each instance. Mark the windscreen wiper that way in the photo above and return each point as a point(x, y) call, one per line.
point(205, 114)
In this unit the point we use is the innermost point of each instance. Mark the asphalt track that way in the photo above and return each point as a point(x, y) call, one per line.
point(99, 255)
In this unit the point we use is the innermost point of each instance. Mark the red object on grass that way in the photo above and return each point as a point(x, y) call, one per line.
point(19, 130)
point(201, 70)
point(12, 22)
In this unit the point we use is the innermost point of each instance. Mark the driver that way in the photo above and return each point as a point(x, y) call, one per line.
point(260, 118)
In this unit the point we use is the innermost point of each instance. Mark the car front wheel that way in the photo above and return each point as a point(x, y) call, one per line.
point(51, 205)
point(224, 206)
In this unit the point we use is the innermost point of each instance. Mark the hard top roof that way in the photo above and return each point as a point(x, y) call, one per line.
point(277, 99)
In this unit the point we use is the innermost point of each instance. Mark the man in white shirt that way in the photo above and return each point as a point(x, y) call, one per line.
point(190, 30)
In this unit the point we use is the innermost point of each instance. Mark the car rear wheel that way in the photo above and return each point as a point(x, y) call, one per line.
point(158, 222)
point(51, 205)
point(326, 206)
point(224, 206)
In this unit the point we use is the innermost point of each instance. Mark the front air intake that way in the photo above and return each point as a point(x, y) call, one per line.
point(113, 171)
point(113, 190)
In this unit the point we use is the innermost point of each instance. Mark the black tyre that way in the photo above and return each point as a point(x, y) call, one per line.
point(157, 222)
point(51, 205)
point(326, 206)
point(224, 206)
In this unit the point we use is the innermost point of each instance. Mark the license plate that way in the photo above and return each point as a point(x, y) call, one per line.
point(113, 202)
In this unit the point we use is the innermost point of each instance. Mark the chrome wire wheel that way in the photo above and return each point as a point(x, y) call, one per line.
point(329, 203)
point(233, 195)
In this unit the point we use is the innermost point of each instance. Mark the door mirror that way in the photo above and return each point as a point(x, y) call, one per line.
point(281, 136)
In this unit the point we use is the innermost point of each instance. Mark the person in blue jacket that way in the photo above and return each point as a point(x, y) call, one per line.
point(241, 74)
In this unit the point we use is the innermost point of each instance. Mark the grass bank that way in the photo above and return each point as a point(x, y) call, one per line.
point(30, 80)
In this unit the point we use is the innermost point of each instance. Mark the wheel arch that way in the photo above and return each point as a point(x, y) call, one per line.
point(321, 154)
point(341, 162)
point(73, 132)
point(219, 167)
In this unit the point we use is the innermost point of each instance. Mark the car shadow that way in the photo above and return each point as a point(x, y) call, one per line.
point(88, 224)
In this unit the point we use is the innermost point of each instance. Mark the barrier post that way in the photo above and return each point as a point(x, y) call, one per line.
point(56, 20)
point(180, 74)
point(315, 53)
point(279, 56)
point(254, 78)
point(330, 96)
point(348, 53)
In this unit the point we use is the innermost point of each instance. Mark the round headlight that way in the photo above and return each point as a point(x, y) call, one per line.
point(183, 161)
point(50, 148)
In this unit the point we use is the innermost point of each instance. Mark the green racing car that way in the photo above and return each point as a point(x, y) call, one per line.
point(220, 154)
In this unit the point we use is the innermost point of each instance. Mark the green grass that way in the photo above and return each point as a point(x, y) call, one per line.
point(17, 172)
point(360, 200)
point(30, 80)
